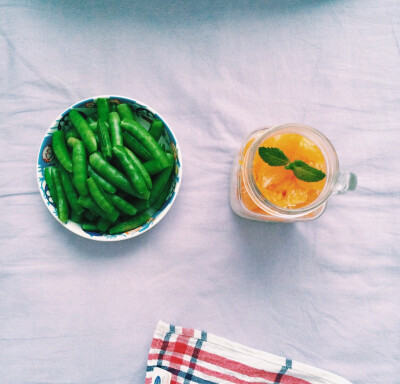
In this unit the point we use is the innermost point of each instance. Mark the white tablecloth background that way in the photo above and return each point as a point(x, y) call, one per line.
point(325, 293)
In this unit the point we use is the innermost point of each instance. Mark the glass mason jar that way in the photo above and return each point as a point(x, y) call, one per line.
point(245, 197)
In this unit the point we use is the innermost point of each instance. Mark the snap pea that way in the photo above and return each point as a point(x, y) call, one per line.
point(92, 122)
point(156, 129)
point(49, 181)
point(79, 166)
point(89, 227)
point(122, 205)
point(71, 132)
point(140, 204)
point(115, 129)
point(146, 139)
point(61, 151)
point(104, 136)
point(72, 140)
point(77, 216)
point(84, 130)
point(159, 182)
point(153, 166)
point(96, 136)
point(70, 191)
point(103, 108)
point(159, 202)
point(110, 173)
point(102, 183)
point(93, 126)
point(88, 203)
point(130, 171)
point(91, 119)
point(132, 223)
point(103, 224)
point(62, 206)
point(98, 196)
point(91, 216)
point(125, 112)
point(139, 168)
point(135, 146)
point(165, 148)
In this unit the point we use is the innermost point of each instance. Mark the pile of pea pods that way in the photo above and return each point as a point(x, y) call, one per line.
point(111, 173)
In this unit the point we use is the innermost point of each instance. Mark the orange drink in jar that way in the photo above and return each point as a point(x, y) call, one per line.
point(286, 173)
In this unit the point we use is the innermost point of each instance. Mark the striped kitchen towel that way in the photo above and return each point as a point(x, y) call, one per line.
point(184, 356)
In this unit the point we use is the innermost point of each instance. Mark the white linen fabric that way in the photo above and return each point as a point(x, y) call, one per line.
point(325, 293)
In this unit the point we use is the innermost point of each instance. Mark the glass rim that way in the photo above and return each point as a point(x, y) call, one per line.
point(328, 151)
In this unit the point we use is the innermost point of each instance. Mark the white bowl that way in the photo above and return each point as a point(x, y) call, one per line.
point(87, 106)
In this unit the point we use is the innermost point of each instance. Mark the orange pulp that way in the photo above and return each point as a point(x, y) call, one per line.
point(279, 185)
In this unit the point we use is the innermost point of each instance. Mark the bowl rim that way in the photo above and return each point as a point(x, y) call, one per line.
point(76, 228)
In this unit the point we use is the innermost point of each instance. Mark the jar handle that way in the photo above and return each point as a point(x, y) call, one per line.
point(346, 181)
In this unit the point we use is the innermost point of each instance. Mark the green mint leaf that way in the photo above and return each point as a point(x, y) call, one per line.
point(305, 172)
point(273, 156)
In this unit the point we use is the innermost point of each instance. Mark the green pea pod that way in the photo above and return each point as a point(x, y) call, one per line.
point(139, 168)
point(103, 224)
point(70, 191)
point(61, 151)
point(103, 108)
point(156, 129)
point(115, 129)
point(122, 205)
point(92, 123)
point(62, 206)
point(91, 216)
point(84, 130)
point(91, 119)
point(89, 227)
point(153, 167)
point(94, 127)
point(104, 136)
point(71, 132)
point(88, 203)
point(130, 171)
point(146, 140)
point(125, 112)
point(159, 182)
point(96, 136)
point(141, 205)
point(166, 148)
point(79, 167)
point(98, 196)
point(135, 146)
point(72, 140)
point(159, 202)
point(102, 183)
point(128, 225)
point(110, 173)
point(49, 181)
point(76, 217)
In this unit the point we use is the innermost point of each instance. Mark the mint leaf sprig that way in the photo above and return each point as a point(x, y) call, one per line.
point(276, 158)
